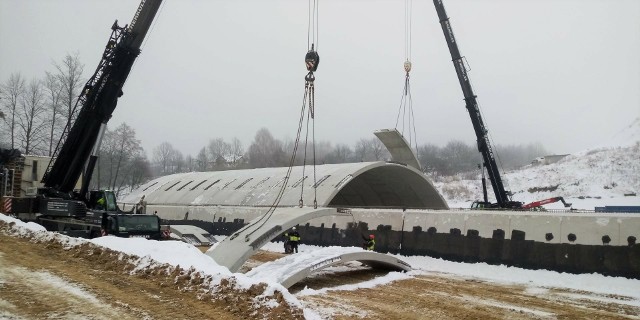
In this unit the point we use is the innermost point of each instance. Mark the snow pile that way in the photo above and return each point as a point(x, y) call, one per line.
point(183, 260)
point(627, 137)
point(595, 177)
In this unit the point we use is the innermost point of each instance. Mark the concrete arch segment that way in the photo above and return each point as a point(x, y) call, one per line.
point(294, 268)
point(398, 147)
point(387, 185)
point(234, 250)
point(362, 185)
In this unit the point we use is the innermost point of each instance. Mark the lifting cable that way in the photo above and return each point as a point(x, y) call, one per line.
point(312, 59)
point(406, 102)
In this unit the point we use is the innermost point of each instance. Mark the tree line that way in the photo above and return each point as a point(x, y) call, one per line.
point(266, 151)
point(35, 111)
point(123, 165)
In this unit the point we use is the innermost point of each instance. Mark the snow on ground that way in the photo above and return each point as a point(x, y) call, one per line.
point(604, 175)
point(153, 253)
point(536, 280)
point(186, 256)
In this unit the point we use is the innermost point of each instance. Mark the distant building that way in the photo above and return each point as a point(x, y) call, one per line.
point(548, 159)
point(25, 174)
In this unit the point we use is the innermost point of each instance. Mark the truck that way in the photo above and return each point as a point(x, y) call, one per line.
point(503, 197)
point(58, 205)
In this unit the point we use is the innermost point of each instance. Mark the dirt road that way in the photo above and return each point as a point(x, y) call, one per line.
point(45, 280)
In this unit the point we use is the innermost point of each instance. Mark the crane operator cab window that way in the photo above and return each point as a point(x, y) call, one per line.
point(102, 200)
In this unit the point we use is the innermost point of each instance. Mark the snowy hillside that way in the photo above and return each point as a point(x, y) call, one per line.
point(604, 175)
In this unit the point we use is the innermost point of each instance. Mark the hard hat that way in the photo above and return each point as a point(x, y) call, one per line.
point(371, 236)
point(293, 228)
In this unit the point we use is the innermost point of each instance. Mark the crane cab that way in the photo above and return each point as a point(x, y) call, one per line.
point(102, 200)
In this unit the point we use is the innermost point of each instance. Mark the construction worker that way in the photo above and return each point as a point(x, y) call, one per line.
point(294, 238)
point(287, 245)
point(100, 204)
point(141, 206)
point(370, 243)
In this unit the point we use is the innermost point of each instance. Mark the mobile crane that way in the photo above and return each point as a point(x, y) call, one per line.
point(57, 206)
point(503, 197)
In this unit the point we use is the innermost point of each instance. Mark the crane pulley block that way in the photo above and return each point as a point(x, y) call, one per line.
point(312, 59)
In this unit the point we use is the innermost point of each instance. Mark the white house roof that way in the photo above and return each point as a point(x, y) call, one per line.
point(365, 184)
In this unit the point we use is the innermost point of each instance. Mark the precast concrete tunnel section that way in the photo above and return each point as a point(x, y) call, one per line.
point(355, 185)
point(293, 268)
point(234, 250)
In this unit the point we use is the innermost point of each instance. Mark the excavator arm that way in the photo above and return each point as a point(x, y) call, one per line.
point(540, 203)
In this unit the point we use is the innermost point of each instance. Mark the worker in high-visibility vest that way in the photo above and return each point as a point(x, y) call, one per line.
point(101, 203)
point(294, 238)
point(369, 244)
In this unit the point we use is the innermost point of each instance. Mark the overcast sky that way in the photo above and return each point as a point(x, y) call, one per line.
point(565, 73)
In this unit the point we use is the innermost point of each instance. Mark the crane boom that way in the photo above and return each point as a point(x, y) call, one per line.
point(98, 101)
point(484, 146)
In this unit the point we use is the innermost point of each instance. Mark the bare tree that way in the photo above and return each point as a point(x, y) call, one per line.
point(177, 162)
point(236, 152)
point(265, 151)
point(363, 150)
point(341, 153)
point(138, 171)
point(12, 92)
point(219, 150)
point(162, 157)
point(430, 158)
point(128, 148)
point(30, 122)
point(167, 160)
point(70, 77)
point(121, 163)
point(189, 163)
point(53, 90)
point(202, 160)
point(459, 157)
point(378, 150)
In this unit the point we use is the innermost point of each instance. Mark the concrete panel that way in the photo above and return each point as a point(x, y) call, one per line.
point(376, 217)
point(293, 268)
point(398, 147)
point(629, 227)
point(478, 221)
point(536, 227)
point(234, 250)
point(589, 230)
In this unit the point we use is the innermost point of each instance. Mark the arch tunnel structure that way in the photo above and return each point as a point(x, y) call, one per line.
point(394, 202)
point(361, 185)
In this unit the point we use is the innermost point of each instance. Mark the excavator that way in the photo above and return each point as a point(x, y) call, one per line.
point(58, 206)
point(540, 203)
point(503, 197)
